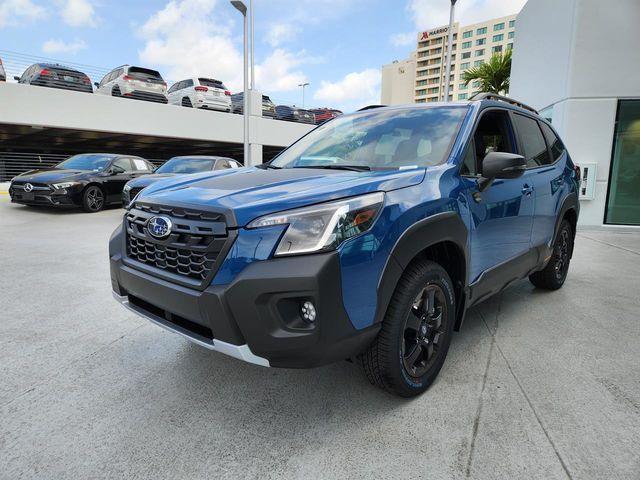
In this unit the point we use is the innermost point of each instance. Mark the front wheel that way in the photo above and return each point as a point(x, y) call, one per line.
point(552, 276)
point(93, 199)
point(408, 353)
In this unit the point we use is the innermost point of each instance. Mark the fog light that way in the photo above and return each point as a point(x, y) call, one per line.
point(308, 311)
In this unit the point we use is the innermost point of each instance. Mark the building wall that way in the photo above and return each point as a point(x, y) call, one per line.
point(432, 53)
point(575, 59)
point(398, 79)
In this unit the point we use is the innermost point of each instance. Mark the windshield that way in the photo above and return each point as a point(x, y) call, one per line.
point(187, 165)
point(208, 82)
point(414, 137)
point(97, 163)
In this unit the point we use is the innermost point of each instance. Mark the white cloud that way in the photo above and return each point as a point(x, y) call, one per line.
point(279, 33)
point(13, 12)
point(78, 13)
point(403, 39)
point(433, 13)
point(355, 90)
point(60, 46)
point(192, 38)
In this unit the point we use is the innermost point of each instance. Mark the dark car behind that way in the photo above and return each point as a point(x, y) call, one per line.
point(56, 76)
point(325, 114)
point(294, 114)
point(268, 107)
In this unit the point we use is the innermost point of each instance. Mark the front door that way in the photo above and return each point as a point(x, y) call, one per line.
point(121, 172)
point(501, 217)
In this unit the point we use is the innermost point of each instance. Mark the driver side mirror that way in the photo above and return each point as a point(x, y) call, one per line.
point(16, 78)
point(96, 84)
point(500, 165)
point(115, 170)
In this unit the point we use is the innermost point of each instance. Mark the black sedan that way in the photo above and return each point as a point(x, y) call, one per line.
point(90, 181)
point(294, 114)
point(56, 76)
point(177, 166)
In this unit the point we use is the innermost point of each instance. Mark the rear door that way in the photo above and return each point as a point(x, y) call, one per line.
point(501, 217)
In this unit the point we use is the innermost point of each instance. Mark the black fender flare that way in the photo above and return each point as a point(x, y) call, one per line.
point(570, 202)
point(441, 227)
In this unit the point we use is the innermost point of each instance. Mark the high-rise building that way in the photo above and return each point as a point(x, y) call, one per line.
point(473, 45)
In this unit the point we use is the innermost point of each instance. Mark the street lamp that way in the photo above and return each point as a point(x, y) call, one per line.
point(449, 49)
point(242, 8)
point(305, 84)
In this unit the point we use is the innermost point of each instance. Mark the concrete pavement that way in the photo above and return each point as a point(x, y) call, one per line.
point(537, 384)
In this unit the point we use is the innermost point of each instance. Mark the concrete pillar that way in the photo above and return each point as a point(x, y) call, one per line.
point(255, 148)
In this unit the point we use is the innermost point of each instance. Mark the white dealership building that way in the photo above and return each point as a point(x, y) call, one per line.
point(578, 62)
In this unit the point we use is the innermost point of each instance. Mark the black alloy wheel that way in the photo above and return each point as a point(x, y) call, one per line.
point(93, 199)
point(423, 330)
point(554, 274)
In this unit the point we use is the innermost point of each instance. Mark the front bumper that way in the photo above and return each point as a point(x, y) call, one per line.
point(256, 317)
point(45, 197)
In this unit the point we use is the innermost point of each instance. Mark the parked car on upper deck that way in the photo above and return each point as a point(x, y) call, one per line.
point(206, 93)
point(3, 74)
point(138, 83)
point(55, 76)
point(325, 114)
point(294, 114)
point(183, 165)
point(268, 107)
point(88, 180)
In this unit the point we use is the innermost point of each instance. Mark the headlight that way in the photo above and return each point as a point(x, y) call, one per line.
point(60, 186)
point(324, 226)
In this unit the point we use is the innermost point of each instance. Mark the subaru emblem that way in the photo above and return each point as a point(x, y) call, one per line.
point(159, 227)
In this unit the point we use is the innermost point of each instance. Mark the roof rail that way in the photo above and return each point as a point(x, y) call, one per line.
point(502, 98)
point(370, 107)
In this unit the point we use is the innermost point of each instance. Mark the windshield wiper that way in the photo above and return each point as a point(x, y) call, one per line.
point(265, 166)
point(353, 168)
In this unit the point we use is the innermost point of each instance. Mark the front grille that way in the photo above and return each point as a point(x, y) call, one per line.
point(40, 187)
point(192, 252)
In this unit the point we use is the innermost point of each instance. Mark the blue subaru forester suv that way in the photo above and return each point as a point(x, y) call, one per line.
point(367, 239)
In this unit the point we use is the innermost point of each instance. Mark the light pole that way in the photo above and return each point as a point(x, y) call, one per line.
point(449, 49)
point(305, 84)
point(253, 76)
point(242, 8)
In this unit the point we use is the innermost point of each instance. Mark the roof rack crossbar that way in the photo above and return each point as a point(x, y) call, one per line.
point(502, 98)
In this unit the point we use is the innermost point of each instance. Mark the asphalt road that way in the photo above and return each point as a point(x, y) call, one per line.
point(537, 384)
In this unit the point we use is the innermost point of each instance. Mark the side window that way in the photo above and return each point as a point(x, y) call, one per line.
point(139, 164)
point(173, 88)
point(104, 79)
point(555, 144)
point(494, 133)
point(533, 144)
point(188, 83)
point(123, 163)
point(222, 164)
point(469, 164)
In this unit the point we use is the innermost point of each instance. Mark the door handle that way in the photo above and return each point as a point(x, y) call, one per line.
point(527, 190)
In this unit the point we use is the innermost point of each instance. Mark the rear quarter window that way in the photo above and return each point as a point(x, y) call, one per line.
point(532, 141)
point(555, 144)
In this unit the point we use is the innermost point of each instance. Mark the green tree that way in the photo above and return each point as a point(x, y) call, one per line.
point(492, 75)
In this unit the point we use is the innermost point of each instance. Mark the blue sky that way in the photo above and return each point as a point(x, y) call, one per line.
point(336, 45)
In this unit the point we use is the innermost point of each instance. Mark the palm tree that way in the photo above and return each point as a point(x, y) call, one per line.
point(492, 75)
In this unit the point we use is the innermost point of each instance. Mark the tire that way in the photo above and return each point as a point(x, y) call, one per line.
point(186, 102)
point(552, 276)
point(410, 349)
point(93, 199)
point(115, 92)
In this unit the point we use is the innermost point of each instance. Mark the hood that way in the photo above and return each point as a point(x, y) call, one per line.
point(248, 193)
point(52, 175)
point(146, 180)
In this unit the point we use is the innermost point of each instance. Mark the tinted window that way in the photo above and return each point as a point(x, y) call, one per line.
point(469, 163)
point(556, 146)
point(145, 74)
point(86, 162)
point(379, 139)
point(533, 144)
point(123, 163)
point(173, 88)
point(188, 83)
point(208, 82)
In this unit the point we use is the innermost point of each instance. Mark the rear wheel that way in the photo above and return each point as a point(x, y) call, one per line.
point(186, 102)
point(408, 353)
point(93, 199)
point(552, 277)
point(115, 91)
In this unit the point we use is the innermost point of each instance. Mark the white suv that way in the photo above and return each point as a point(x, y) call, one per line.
point(201, 93)
point(134, 82)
